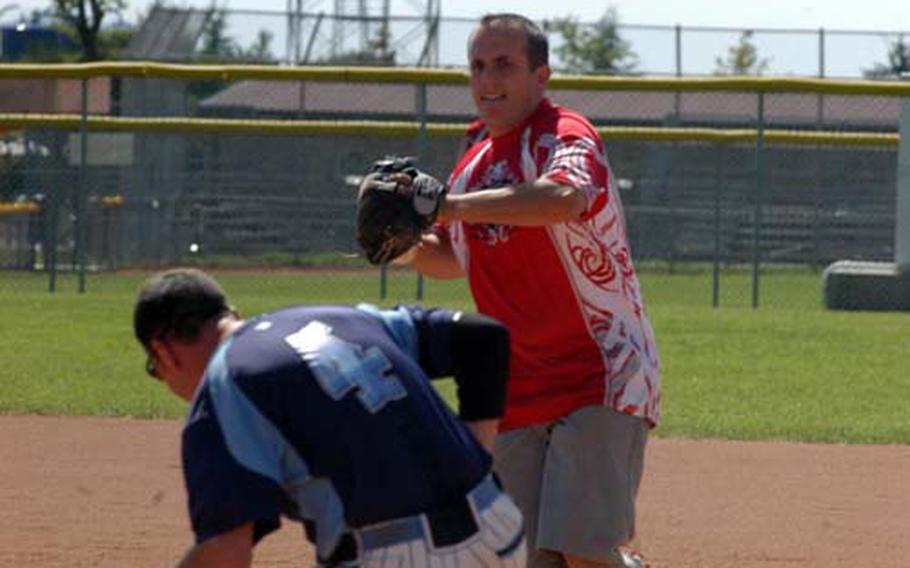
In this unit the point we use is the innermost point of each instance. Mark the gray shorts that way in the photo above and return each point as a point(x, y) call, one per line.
point(575, 481)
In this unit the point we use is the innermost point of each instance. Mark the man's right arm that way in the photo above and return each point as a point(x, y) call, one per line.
point(529, 204)
point(542, 202)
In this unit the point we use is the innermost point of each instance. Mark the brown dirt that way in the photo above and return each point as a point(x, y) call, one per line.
point(108, 492)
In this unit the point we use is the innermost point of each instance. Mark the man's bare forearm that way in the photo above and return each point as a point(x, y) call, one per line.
point(485, 431)
point(542, 202)
point(233, 549)
point(435, 258)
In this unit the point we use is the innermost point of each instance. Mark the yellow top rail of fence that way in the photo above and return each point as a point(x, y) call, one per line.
point(448, 76)
point(409, 129)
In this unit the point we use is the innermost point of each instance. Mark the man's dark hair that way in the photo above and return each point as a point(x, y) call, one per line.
point(177, 303)
point(538, 46)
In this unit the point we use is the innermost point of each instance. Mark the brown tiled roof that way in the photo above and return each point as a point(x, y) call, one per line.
point(601, 106)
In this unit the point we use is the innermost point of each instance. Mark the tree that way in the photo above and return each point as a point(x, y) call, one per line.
point(216, 43)
point(85, 18)
point(898, 62)
point(261, 50)
point(742, 58)
point(218, 46)
point(593, 48)
point(376, 52)
point(115, 41)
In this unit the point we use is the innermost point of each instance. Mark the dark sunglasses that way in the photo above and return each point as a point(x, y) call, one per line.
point(177, 322)
point(151, 361)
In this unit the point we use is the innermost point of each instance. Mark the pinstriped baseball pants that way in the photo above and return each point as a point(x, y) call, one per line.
point(498, 543)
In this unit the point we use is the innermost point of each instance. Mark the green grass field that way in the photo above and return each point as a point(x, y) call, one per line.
point(788, 370)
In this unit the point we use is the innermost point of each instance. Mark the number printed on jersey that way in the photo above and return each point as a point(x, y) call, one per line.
point(341, 367)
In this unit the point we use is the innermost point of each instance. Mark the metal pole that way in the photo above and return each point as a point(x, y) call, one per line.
point(759, 188)
point(820, 166)
point(421, 104)
point(298, 30)
point(312, 40)
point(675, 122)
point(80, 201)
point(821, 52)
point(676, 95)
point(678, 50)
point(436, 18)
point(420, 286)
point(364, 26)
point(337, 30)
point(718, 186)
point(289, 40)
point(50, 245)
point(820, 112)
point(902, 227)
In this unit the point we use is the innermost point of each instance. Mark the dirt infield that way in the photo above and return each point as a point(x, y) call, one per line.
point(108, 492)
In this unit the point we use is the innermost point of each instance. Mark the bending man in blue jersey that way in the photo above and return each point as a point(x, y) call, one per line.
point(325, 415)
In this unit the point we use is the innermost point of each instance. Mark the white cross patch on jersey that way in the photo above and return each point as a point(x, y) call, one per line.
point(340, 367)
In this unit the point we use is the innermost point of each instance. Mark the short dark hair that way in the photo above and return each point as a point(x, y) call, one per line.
point(538, 45)
point(177, 303)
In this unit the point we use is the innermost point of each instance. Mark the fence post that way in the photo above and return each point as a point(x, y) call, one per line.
point(821, 52)
point(675, 123)
point(902, 227)
point(80, 200)
point(759, 188)
point(421, 104)
point(819, 170)
point(820, 110)
point(718, 188)
point(50, 242)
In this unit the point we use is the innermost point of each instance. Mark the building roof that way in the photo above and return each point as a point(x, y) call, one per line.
point(364, 99)
point(167, 34)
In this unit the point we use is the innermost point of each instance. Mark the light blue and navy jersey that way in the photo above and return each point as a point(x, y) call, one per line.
point(326, 415)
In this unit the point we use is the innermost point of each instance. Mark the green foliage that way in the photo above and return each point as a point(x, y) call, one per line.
point(218, 46)
point(596, 48)
point(898, 62)
point(362, 58)
point(84, 19)
point(788, 370)
point(378, 52)
point(741, 59)
point(114, 42)
point(111, 45)
point(261, 50)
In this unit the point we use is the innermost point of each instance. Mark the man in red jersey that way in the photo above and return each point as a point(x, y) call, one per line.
point(533, 219)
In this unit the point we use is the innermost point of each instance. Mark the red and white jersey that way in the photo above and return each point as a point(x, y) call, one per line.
point(567, 292)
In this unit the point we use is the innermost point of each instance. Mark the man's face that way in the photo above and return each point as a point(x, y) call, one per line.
point(174, 364)
point(505, 88)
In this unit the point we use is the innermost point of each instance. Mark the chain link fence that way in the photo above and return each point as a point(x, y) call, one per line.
point(230, 186)
point(424, 38)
